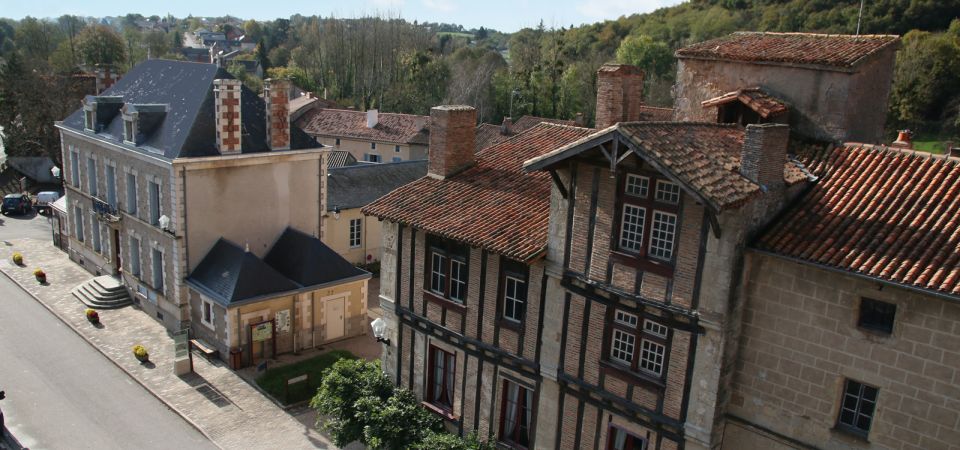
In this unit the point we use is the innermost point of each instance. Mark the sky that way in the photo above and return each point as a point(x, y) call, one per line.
point(503, 15)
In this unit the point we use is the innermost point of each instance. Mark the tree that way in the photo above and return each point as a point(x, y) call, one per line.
point(279, 57)
point(926, 78)
point(343, 386)
point(398, 423)
point(654, 57)
point(446, 441)
point(99, 44)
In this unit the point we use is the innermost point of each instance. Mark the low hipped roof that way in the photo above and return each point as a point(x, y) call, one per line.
point(358, 185)
point(757, 99)
point(883, 213)
point(493, 205)
point(188, 127)
point(230, 275)
point(830, 50)
point(391, 127)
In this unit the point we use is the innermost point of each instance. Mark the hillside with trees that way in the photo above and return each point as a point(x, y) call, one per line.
point(400, 66)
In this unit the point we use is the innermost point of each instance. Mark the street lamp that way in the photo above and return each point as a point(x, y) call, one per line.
point(55, 171)
point(380, 330)
point(164, 223)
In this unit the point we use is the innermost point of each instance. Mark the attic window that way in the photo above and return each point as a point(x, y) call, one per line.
point(129, 128)
point(89, 119)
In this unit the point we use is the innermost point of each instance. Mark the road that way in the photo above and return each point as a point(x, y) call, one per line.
point(61, 393)
point(31, 225)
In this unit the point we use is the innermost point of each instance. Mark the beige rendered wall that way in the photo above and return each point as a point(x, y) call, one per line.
point(250, 199)
point(800, 342)
point(337, 236)
point(386, 150)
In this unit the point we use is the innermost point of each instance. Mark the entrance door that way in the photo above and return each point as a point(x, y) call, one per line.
point(116, 251)
point(333, 312)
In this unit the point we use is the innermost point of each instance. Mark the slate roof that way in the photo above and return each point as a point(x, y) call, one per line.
point(359, 185)
point(228, 274)
point(340, 158)
point(188, 128)
point(395, 128)
point(760, 102)
point(493, 205)
point(831, 50)
point(308, 261)
point(884, 213)
point(488, 134)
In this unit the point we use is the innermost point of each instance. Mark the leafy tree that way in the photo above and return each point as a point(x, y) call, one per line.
point(446, 441)
point(926, 78)
point(339, 397)
point(278, 56)
point(398, 423)
point(99, 44)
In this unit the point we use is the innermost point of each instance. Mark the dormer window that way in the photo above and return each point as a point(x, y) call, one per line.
point(649, 222)
point(89, 119)
point(129, 130)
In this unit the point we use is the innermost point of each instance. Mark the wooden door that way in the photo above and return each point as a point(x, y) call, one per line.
point(333, 312)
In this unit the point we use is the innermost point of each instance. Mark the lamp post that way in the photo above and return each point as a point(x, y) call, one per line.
point(380, 330)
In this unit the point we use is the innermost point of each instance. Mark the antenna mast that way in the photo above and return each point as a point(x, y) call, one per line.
point(859, 17)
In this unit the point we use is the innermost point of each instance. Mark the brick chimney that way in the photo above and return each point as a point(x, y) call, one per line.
point(452, 131)
point(765, 153)
point(106, 77)
point(619, 94)
point(276, 94)
point(227, 109)
point(506, 128)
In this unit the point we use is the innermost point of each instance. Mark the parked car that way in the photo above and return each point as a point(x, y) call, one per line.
point(43, 201)
point(16, 204)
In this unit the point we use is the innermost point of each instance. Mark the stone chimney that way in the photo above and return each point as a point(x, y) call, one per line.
point(580, 120)
point(373, 118)
point(506, 128)
point(276, 94)
point(452, 131)
point(619, 94)
point(903, 139)
point(227, 109)
point(106, 77)
point(764, 154)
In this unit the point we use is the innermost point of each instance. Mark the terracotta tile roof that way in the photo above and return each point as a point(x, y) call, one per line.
point(655, 114)
point(494, 205)
point(396, 128)
point(754, 98)
point(886, 213)
point(488, 134)
point(832, 50)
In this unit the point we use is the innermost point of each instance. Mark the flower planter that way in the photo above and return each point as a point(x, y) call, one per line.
point(140, 352)
point(17, 258)
point(40, 276)
point(92, 315)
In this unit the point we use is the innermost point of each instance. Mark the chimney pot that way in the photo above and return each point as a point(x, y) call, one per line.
point(506, 128)
point(276, 94)
point(903, 139)
point(373, 118)
point(452, 132)
point(619, 94)
point(765, 153)
point(580, 120)
point(228, 114)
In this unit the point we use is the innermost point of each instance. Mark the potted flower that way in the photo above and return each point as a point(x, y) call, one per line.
point(18, 258)
point(140, 352)
point(40, 275)
point(92, 315)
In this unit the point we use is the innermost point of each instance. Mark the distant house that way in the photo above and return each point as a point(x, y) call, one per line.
point(195, 54)
point(351, 234)
point(370, 136)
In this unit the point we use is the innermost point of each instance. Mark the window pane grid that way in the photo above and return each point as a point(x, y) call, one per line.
point(458, 279)
point(623, 346)
point(355, 232)
point(514, 297)
point(438, 278)
point(654, 328)
point(651, 356)
point(631, 233)
point(857, 408)
point(667, 192)
point(627, 319)
point(637, 185)
point(663, 235)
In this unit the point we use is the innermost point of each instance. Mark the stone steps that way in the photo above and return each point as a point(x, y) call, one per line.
point(103, 292)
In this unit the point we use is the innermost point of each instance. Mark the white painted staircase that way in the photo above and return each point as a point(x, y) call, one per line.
point(104, 292)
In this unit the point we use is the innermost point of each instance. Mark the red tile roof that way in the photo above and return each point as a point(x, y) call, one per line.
point(488, 134)
point(395, 128)
point(886, 213)
point(494, 205)
point(655, 114)
point(833, 50)
point(754, 98)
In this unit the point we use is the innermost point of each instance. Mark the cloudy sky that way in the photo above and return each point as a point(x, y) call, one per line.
point(505, 15)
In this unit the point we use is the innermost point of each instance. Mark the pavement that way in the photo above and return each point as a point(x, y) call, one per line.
point(215, 400)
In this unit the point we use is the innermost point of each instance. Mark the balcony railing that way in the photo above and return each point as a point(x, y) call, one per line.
point(105, 210)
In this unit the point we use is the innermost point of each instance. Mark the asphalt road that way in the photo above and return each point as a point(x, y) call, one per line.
point(31, 225)
point(63, 394)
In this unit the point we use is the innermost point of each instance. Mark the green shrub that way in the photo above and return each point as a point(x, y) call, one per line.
point(447, 441)
point(399, 423)
point(343, 385)
point(140, 351)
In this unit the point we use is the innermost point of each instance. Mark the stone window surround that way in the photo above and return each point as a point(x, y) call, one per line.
point(93, 188)
point(74, 164)
point(160, 197)
point(78, 232)
point(207, 305)
point(134, 235)
point(130, 119)
point(355, 228)
point(127, 170)
point(156, 245)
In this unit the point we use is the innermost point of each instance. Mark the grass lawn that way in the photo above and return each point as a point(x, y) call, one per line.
point(931, 143)
point(274, 380)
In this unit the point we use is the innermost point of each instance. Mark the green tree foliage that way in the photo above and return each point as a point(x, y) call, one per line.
point(446, 441)
point(99, 44)
point(398, 423)
point(339, 398)
point(654, 57)
point(926, 89)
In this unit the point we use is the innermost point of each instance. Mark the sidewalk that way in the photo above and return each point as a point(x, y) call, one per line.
point(226, 409)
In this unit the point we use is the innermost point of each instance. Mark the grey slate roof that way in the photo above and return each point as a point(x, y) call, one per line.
point(228, 274)
point(189, 127)
point(359, 185)
point(340, 158)
point(309, 262)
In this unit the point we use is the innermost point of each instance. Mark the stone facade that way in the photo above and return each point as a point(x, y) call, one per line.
point(801, 341)
point(825, 103)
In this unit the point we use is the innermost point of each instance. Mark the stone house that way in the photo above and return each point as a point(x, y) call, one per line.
point(369, 136)
point(836, 86)
point(174, 158)
point(349, 232)
point(851, 324)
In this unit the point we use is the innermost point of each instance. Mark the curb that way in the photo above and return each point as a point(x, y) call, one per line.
point(115, 363)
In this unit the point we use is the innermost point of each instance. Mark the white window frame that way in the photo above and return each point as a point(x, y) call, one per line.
point(458, 276)
point(205, 306)
point(620, 342)
point(89, 119)
point(518, 304)
point(631, 239)
point(637, 185)
point(650, 351)
point(663, 235)
point(667, 192)
point(625, 318)
point(356, 233)
point(437, 273)
point(130, 130)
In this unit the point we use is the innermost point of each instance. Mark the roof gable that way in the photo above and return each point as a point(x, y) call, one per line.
point(756, 99)
point(308, 261)
point(884, 213)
